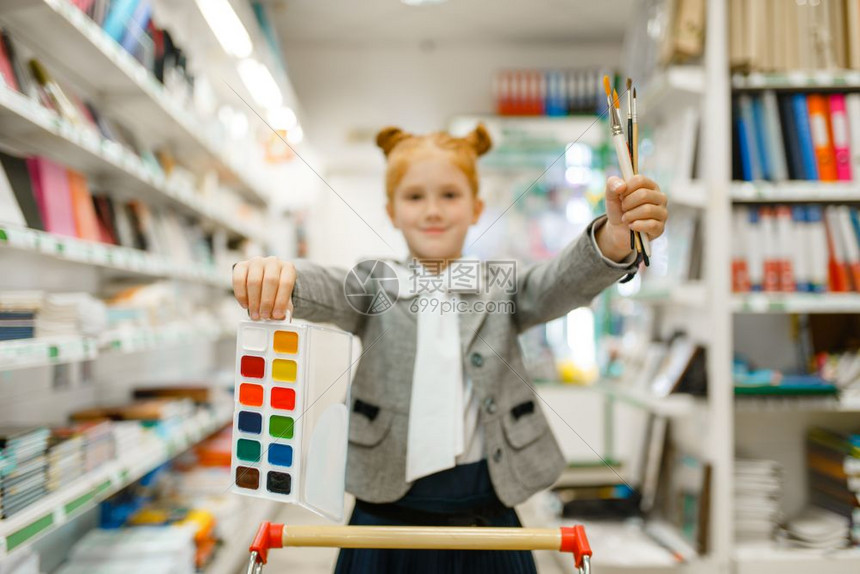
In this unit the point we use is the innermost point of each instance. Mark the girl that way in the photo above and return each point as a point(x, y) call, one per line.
point(445, 429)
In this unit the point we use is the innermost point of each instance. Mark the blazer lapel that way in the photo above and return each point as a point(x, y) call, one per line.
point(471, 321)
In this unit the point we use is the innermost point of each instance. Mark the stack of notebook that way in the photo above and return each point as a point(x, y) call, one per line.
point(98, 443)
point(18, 314)
point(65, 460)
point(833, 461)
point(818, 529)
point(758, 493)
point(24, 481)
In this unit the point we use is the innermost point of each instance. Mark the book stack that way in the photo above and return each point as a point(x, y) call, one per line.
point(758, 494)
point(65, 460)
point(129, 23)
point(26, 481)
point(818, 529)
point(98, 442)
point(799, 136)
point(72, 314)
point(833, 462)
point(550, 93)
point(783, 37)
point(18, 311)
point(801, 248)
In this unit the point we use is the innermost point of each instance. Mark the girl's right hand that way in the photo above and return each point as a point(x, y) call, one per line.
point(264, 286)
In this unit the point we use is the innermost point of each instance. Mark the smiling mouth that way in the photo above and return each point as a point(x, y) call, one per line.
point(433, 230)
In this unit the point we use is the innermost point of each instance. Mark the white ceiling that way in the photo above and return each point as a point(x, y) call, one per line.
point(378, 22)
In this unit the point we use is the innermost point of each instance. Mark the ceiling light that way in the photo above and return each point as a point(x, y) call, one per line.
point(260, 83)
point(227, 27)
point(282, 118)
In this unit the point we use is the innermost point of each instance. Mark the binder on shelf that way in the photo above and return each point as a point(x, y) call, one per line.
point(804, 135)
point(786, 246)
point(86, 221)
point(51, 189)
point(792, 139)
point(839, 278)
point(761, 139)
point(852, 251)
point(802, 260)
point(18, 176)
point(819, 127)
point(773, 131)
point(852, 112)
point(841, 139)
point(750, 156)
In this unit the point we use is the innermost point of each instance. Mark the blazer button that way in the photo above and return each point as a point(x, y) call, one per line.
point(490, 405)
point(477, 359)
point(497, 456)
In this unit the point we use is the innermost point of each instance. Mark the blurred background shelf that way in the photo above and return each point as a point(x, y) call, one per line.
point(794, 191)
point(796, 303)
point(57, 508)
point(130, 261)
point(66, 38)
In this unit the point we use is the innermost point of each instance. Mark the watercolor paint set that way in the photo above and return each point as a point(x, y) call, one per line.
point(290, 422)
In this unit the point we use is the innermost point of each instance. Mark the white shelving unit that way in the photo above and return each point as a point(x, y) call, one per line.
point(59, 507)
point(84, 51)
point(42, 352)
point(123, 259)
point(796, 303)
point(38, 130)
point(729, 423)
point(84, 57)
point(794, 191)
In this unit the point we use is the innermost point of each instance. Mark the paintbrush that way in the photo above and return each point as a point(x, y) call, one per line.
point(622, 152)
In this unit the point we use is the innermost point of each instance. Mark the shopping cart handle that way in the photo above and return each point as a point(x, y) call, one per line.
point(567, 539)
point(574, 540)
point(268, 536)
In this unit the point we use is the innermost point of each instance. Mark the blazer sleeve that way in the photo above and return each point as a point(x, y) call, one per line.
point(569, 280)
point(318, 296)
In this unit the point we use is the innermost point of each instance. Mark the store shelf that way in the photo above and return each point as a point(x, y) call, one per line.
point(767, 558)
point(795, 191)
point(59, 507)
point(34, 129)
point(41, 352)
point(690, 294)
point(814, 80)
point(65, 37)
point(796, 303)
point(674, 405)
point(233, 556)
point(776, 404)
point(671, 89)
point(132, 261)
point(688, 193)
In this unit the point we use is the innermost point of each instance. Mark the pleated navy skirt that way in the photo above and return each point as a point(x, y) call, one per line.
point(460, 496)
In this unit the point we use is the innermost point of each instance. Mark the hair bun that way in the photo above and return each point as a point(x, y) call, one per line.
point(480, 140)
point(390, 137)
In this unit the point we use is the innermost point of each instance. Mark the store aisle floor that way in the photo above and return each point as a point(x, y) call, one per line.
point(321, 560)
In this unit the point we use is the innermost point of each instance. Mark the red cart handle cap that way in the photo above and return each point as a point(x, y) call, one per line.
point(574, 540)
point(268, 536)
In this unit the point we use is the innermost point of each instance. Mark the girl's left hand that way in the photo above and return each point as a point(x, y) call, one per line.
point(637, 204)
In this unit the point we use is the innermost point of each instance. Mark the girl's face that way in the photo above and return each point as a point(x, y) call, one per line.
point(433, 206)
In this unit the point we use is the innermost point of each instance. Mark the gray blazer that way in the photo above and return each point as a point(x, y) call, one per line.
point(522, 453)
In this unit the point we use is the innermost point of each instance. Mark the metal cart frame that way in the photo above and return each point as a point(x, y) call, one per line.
point(565, 539)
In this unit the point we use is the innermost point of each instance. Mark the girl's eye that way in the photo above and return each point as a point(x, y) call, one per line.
point(451, 194)
point(413, 197)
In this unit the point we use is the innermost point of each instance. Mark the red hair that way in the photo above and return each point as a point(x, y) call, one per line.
point(402, 149)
